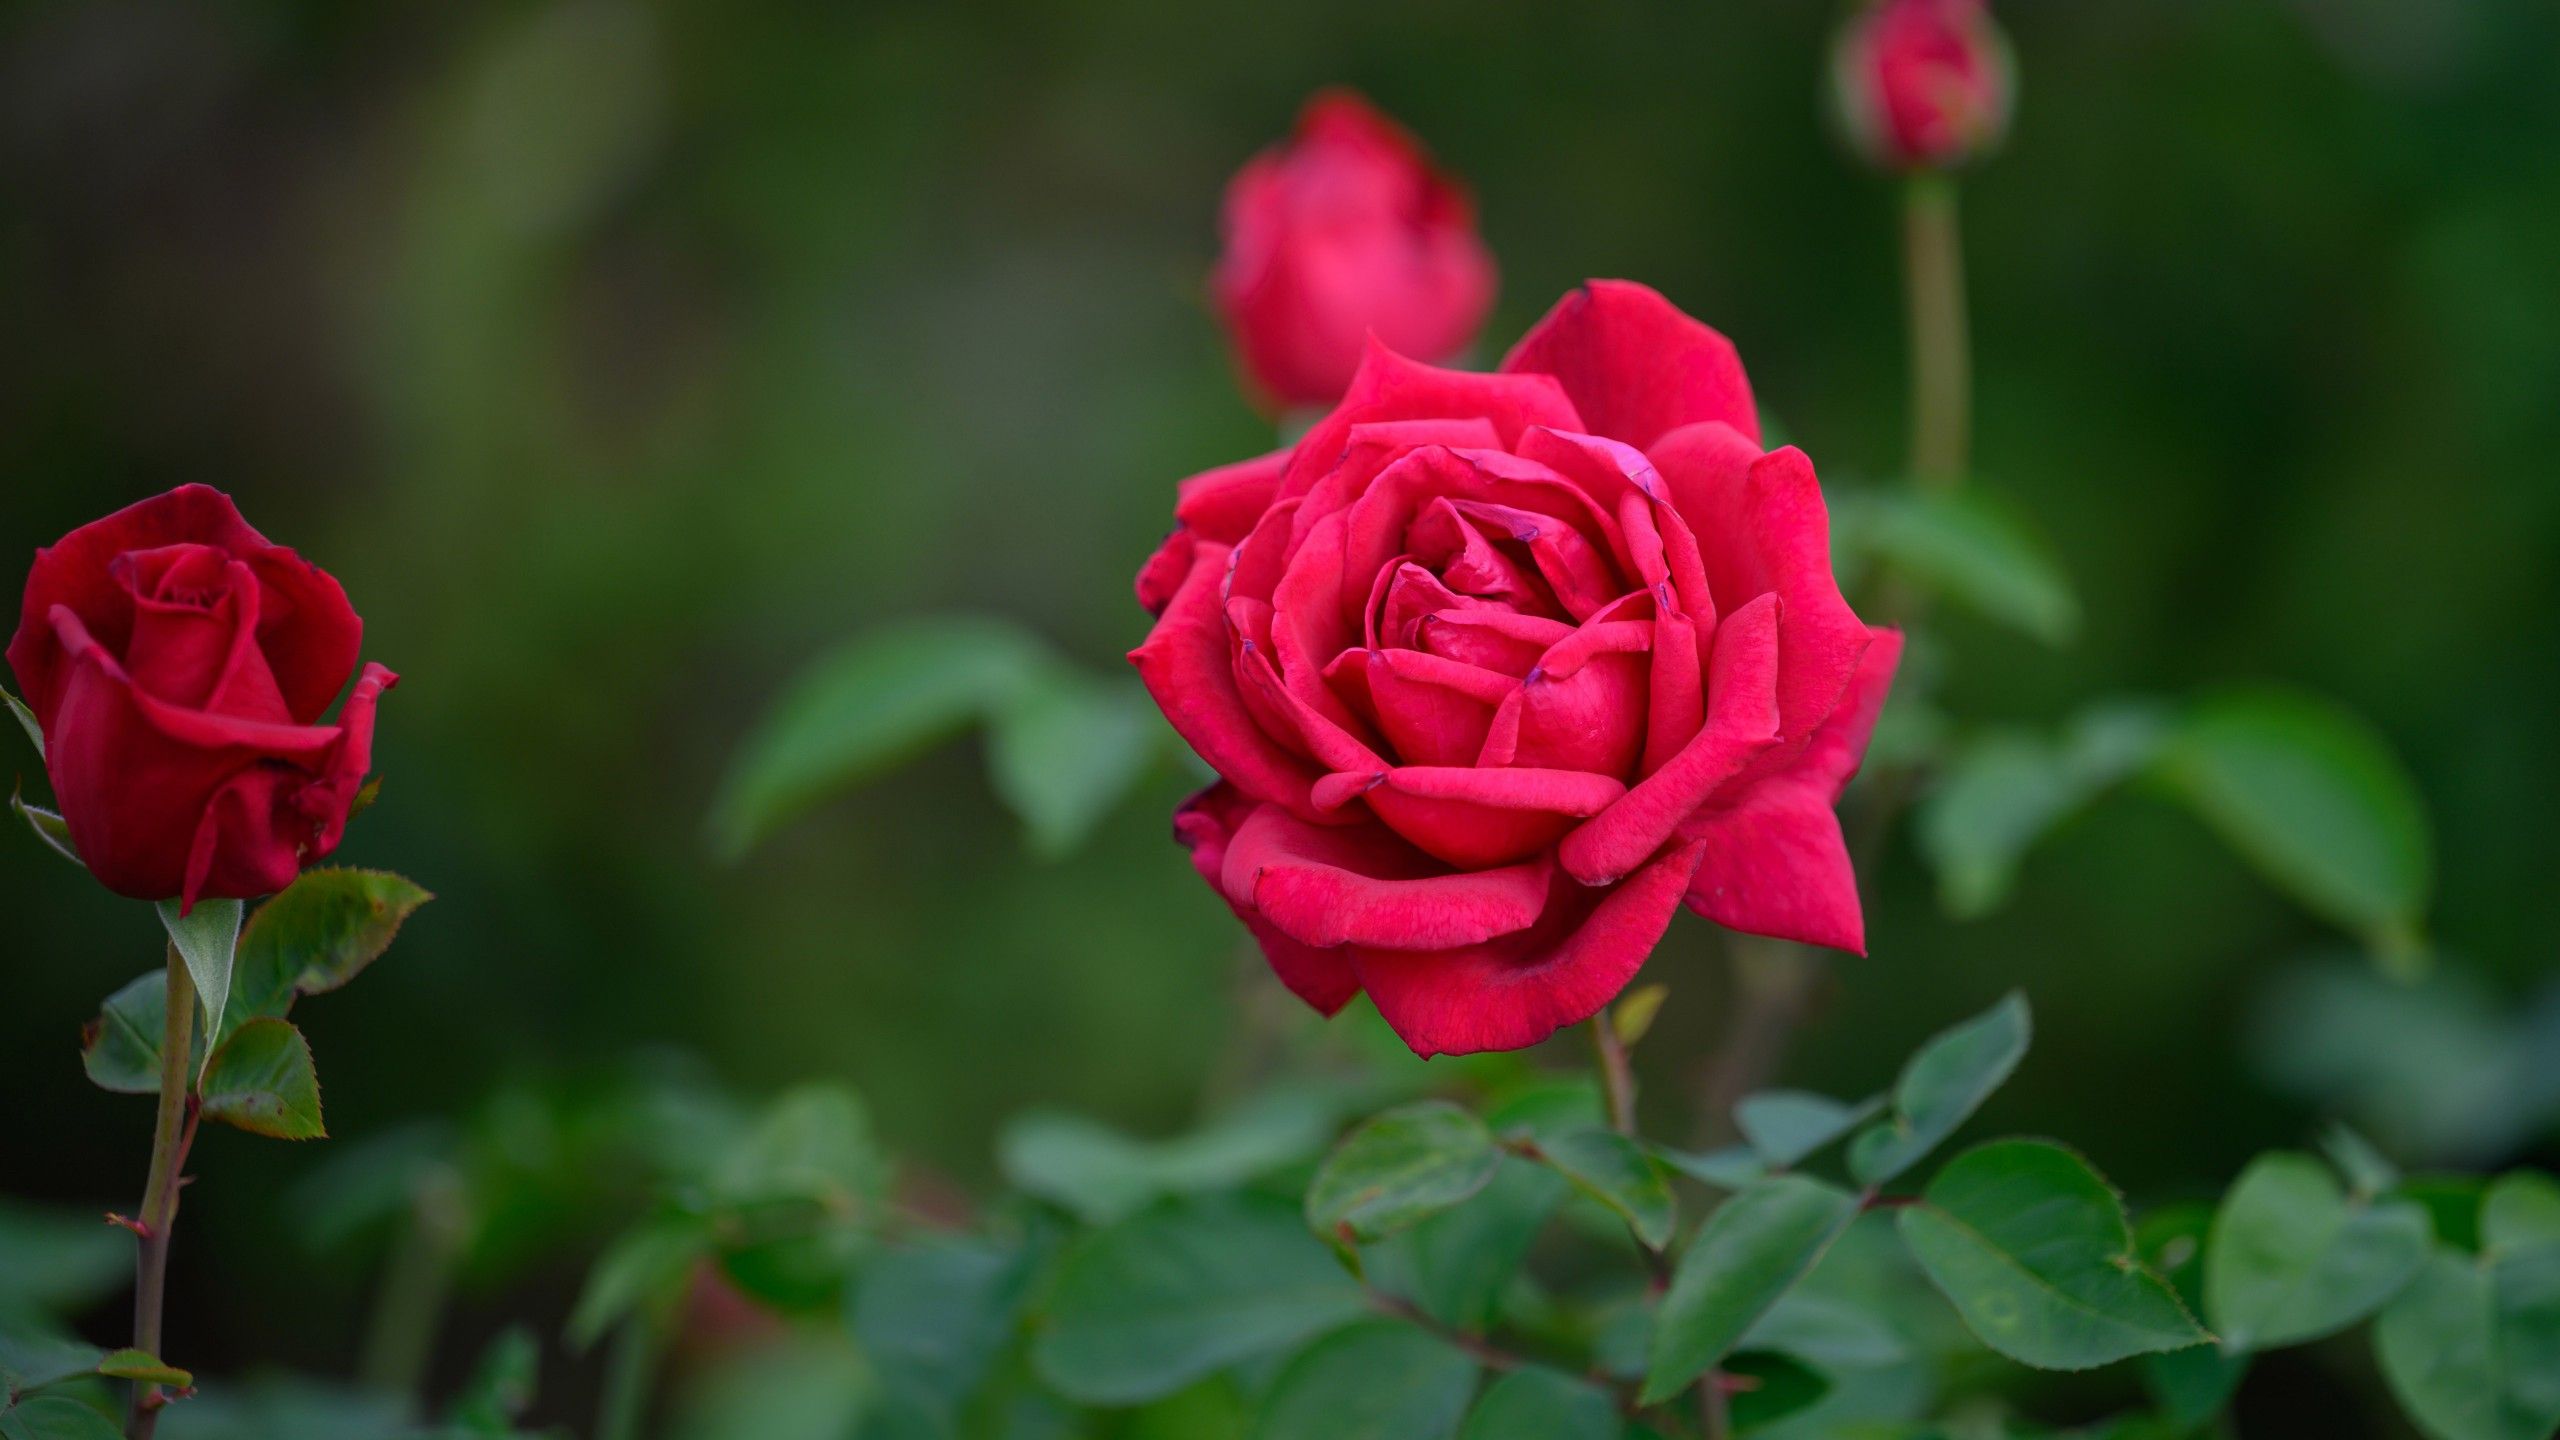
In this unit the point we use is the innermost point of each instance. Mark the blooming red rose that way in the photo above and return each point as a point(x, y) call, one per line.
point(1923, 84)
point(179, 665)
point(1497, 670)
point(1345, 231)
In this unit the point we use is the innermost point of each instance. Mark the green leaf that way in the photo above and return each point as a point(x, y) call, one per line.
point(502, 1385)
point(143, 1366)
point(1741, 1261)
point(864, 708)
point(2291, 1258)
point(2192, 1385)
point(53, 1417)
point(2472, 1348)
point(55, 1262)
point(26, 720)
point(1381, 1381)
point(936, 1314)
point(1398, 1169)
point(34, 1359)
point(1458, 1265)
point(803, 1385)
point(262, 1080)
point(2033, 1248)
point(1974, 550)
point(1785, 1126)
point(1940, 1087)
point(318, 934)
point(1774, 1387)
point(645, 1269)
point(1066, 749)
point(1101, 1174)
point(120, 1049)
point(2004, 791)
point(2311, 795)
point(2521, 1209)
point(50, 828)
point(206, 938)
point(1541, 1404)
point(1620, 1174)
point(1144, 1307)
point(813, 1146)
point(1730, 1168)
point(2369, 1172)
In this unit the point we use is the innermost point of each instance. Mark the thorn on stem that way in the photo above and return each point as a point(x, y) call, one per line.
point(127, 1222)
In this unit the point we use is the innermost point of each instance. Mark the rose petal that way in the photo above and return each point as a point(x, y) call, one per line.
point(1474, 818)
point(1773, 862)
point(1634, 365)
point(1742, 722)
point(1204, 825)
point(1390, 387)
point(1517, 990)
point(1186, 664)
point(1335, 885)
point(1762, 529)
point(1223, 504)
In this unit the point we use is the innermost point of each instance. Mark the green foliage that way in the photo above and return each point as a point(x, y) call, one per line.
point(502, 1386)
point(1063, 746)
point(2293, 1258)
point(1541, 1404)
point(2003, 791)
point(1786, 1126)
point(2312, 796)
point(1141, 1308)
point(53, 1417)
point(261, 1080)
point(1619, 1173)
point(1969, 547)
point(1940, 1087)
point(646, 1267)
point(26, 720)
point(206, 938)
point(2033, 1248)
point(121, 1048)
point(1399, 1169)
point(2472, 1346)
point(48, 826)
point(315, 936)
point(1099, 1174)
point(1378, 1381)
point(142, 1365)
point(1741, 1261)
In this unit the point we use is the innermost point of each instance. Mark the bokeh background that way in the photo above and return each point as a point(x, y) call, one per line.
point(619, 357)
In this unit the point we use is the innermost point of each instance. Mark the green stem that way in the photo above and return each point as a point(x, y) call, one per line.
point(171, 1134)
point(1941, 370)
point(630, 1376)
point(1617, 1076)
point(410, 1307)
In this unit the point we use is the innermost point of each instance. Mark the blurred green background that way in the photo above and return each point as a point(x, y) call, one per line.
point(619, 357)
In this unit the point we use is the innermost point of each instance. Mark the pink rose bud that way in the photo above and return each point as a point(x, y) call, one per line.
point(1924, 84)
point(1345, 231)
point(1499, 671)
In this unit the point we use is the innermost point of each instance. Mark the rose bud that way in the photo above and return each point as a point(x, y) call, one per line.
point(1344, 231)
point(179, 666)
point(1498, 670)
point(1923, 84)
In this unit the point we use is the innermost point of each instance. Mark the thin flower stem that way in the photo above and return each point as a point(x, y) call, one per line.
point(171, 1135)
point(1941, 369)
point(1617, 1076)
point(409, 1309)
point(630, 1376)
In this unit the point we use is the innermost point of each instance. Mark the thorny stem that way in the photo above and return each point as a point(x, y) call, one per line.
point(1779, 980)
point(171, 1134)
point(1617, 1076)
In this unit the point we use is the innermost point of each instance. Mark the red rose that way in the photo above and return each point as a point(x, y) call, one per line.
point(1498, 669)
point(1346, 231)
point(179, 666)
point(1923, 84)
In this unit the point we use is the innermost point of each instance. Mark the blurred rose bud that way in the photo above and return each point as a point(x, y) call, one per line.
point(179, 666)
point(1923, 84)
point(1344, 231)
